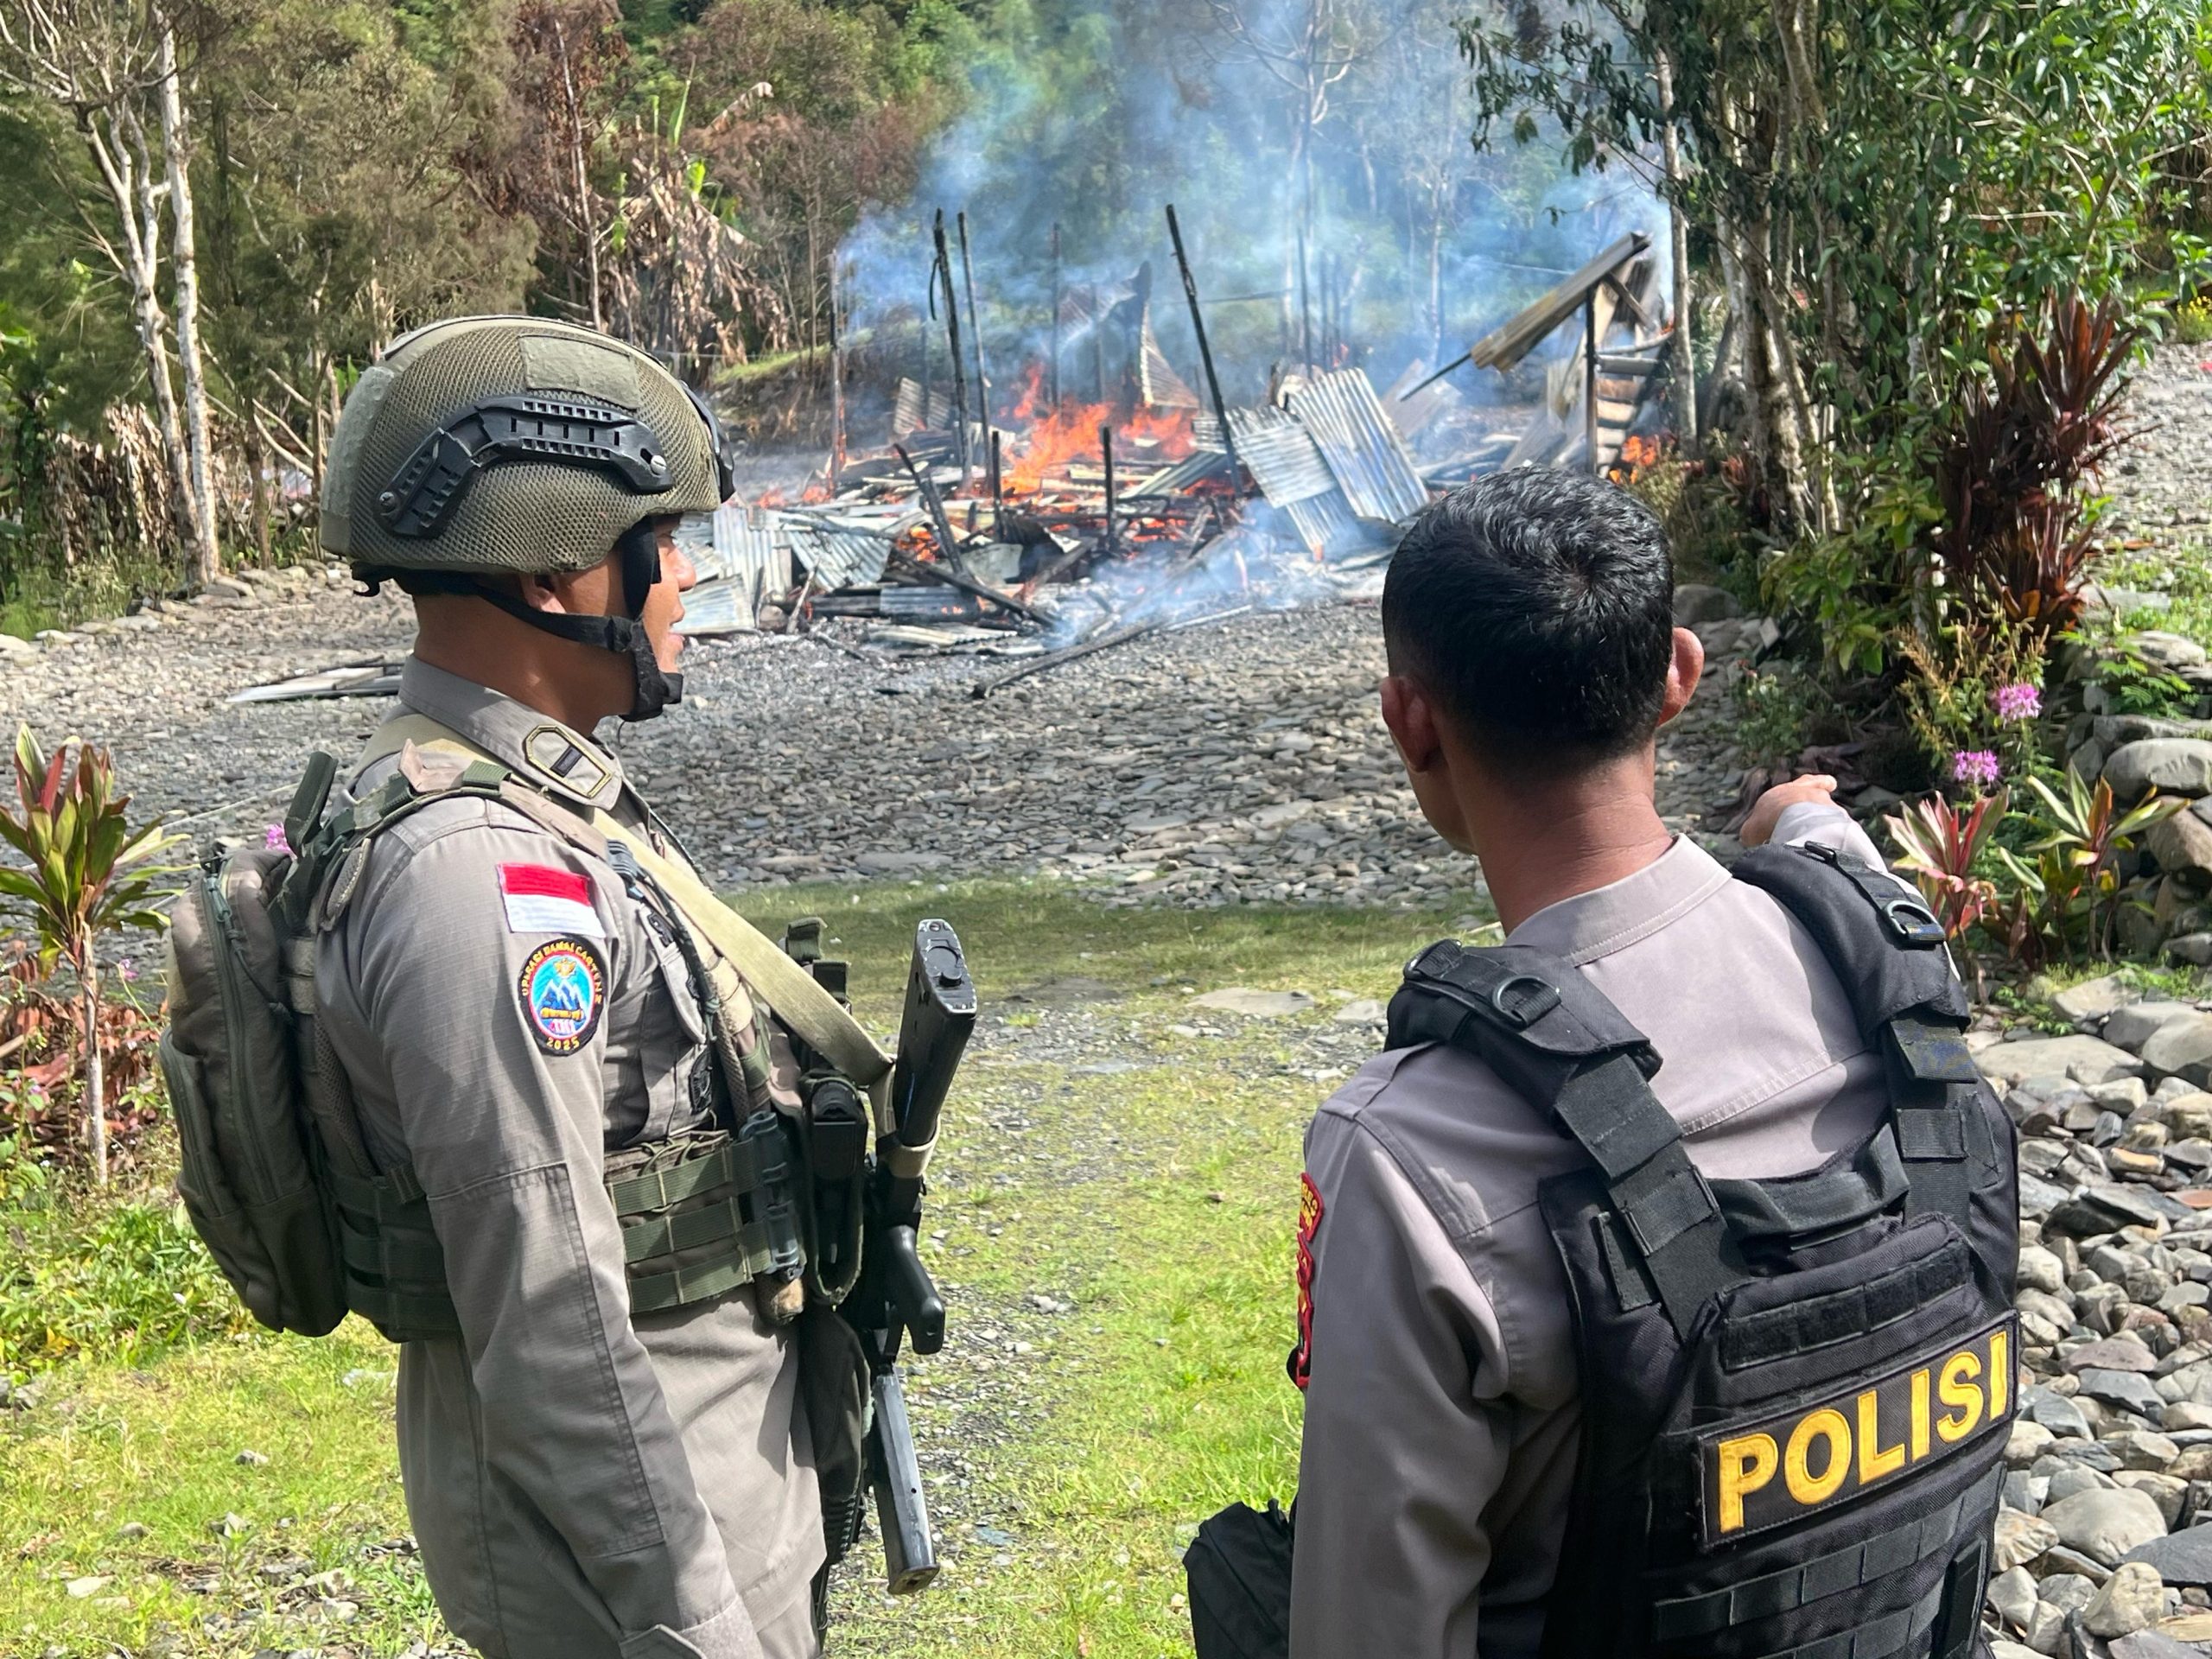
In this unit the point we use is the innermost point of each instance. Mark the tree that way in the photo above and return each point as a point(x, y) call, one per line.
point(106, 65)
point(90, 873)
point(1877, 180)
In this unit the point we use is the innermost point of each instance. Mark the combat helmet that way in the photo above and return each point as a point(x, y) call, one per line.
point(481, 446)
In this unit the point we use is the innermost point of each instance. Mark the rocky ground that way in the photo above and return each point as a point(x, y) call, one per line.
point(1240, 760)
point(2160, 485)
point(2104, 1545)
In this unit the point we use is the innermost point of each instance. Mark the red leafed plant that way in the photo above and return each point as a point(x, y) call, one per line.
point(1937, 845)
point(41, 1043)
point(84, 871)
point(2016, 528)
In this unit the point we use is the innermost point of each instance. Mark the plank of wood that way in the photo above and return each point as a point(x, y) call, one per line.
point(1513, 340)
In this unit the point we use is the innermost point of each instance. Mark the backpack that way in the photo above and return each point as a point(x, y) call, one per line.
point(239, 968)
point(257, 1115)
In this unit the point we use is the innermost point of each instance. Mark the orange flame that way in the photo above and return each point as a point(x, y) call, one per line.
point(1068, 433)
point(1638, 454)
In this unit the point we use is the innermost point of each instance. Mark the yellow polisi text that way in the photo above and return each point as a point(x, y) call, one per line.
point(1770, 1471)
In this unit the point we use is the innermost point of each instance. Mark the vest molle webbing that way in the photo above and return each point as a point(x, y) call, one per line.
point(702, 1213)
point(1798, 1450)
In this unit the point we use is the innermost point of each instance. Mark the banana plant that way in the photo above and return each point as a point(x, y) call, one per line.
point(89, 872)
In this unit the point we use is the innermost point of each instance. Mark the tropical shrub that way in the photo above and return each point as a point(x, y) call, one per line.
point(89, 873)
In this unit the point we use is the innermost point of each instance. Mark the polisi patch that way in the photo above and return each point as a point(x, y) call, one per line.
point(1771, 1471)
point(563, 991)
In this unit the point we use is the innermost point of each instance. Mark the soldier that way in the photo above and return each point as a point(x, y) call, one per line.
point(1653, 1286)
point(549, 1198)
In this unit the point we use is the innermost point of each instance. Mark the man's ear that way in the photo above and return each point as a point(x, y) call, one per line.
point(547, 591)
point(1410, 714)
point(1682, 674)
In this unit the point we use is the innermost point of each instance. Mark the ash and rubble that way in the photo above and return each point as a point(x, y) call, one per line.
point(1236, 761)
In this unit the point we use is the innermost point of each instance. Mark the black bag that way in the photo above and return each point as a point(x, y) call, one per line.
point(1239, 1571)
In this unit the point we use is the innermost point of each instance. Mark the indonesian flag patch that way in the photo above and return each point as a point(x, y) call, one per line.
point(540, 899)
point(1309, 1222)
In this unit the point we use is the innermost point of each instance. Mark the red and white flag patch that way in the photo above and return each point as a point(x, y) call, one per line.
point(540, 899)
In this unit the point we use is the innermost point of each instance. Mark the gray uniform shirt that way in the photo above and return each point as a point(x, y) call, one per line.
point(1441, 1404)
point(583, 1482)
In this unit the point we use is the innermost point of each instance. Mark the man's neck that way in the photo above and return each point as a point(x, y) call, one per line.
point(1539, 845)
point(509, 656)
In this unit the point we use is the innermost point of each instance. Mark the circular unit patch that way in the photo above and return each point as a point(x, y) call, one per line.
point(563, 991)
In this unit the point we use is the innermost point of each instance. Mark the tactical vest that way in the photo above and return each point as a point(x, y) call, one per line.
point(1796, 1390)
point(277, 1173)
point(702, 1213)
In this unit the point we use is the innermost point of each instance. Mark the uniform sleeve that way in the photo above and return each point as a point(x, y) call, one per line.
point(1399, 1458)
point(503, 1112)
point(1825, 823)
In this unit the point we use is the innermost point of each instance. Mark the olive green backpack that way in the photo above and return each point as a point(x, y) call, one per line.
point(237, 969)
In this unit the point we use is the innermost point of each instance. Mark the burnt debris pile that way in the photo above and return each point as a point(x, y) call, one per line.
point(1099, 491)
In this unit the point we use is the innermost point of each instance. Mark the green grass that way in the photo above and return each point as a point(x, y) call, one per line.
point(1160, 1200)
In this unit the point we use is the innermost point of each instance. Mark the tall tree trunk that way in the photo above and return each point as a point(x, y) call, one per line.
point(585, 227)
point(176, 153)
point(257, 463)
point(95, 1082)
point(1685, 355)
point(119, 155)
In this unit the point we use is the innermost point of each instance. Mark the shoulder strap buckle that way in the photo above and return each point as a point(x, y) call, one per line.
point(1522, 1014)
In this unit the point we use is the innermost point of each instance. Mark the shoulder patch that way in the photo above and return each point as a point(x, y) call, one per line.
point(541, 899)
point(563, 991)
point(1309, 1223)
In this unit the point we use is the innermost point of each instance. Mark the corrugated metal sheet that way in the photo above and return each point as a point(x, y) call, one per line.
point(1281, 454)
point(718, 606)
point(838, 556)
point(1194, 469)
point(907, 408)
point(1364, 451)
point(742, 562)
point(1326, 523)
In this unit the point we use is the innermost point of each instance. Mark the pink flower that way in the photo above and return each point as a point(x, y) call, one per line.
point(273, 839)
point(125, 972)
point(1977, 766)
point(2022, 701)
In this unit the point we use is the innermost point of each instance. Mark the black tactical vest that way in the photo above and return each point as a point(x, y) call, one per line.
point(1796, 1391)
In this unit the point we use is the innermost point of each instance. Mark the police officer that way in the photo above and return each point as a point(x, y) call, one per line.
point(1542, 1415)
point(601, 1434)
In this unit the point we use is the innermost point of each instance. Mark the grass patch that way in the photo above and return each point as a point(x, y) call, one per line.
point(1098, 1153)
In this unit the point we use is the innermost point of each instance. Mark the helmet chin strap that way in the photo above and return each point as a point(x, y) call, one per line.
point(639, 552)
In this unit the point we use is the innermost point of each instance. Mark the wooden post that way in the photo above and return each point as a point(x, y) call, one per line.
point(1590, 376)
point(1106, 450)
point(922, 329)
point(1684, 374)
point(836, 383)
point(1205, 352)
point(975, 328)
point(998, 498)
point(1304, 303)
point(1053, 381)
point(952, 340)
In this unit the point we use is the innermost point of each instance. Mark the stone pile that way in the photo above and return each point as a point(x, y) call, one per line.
point(2104, 1544)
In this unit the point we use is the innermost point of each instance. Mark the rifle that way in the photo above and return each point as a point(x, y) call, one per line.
point(892, 1295)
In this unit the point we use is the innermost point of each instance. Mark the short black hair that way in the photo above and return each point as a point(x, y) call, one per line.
point(1538, 606)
